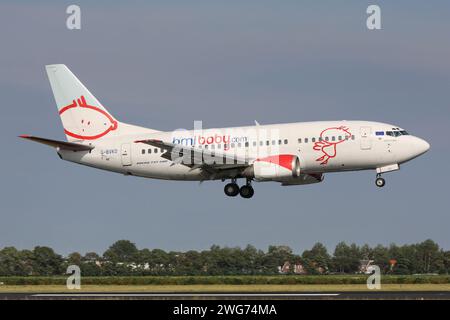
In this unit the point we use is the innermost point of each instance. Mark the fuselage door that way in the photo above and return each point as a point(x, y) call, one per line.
point(366, 138)
point(126, 154)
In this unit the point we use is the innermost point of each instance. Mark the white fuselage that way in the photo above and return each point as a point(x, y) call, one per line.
point(321, 147)
point(292, 153)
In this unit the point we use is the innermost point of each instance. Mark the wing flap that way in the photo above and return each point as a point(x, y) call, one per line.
point(73, 146)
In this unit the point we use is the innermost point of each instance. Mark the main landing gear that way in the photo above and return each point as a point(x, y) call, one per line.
point(232, 189)
point(379, 181)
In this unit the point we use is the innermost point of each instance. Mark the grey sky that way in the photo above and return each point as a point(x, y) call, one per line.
point(164, 64)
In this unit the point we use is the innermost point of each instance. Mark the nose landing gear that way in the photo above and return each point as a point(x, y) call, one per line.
point(232, 189)
point(379, 181)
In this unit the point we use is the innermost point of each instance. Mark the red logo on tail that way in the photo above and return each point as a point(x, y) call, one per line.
point(97, 121)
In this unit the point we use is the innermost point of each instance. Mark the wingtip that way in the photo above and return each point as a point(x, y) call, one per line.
point(25, 136)
point(144, 141)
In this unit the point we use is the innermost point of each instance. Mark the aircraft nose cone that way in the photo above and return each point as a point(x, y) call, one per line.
point(421, 146)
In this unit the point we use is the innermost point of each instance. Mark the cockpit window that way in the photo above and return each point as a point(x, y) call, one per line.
point(393, 133)
point(397, 133)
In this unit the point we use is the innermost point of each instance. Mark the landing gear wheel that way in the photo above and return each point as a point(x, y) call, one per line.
point(247, 191)
point(380, 182)
point(231, 189)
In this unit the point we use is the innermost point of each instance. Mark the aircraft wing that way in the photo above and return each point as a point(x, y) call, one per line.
point(198, 158)
point(59, 144)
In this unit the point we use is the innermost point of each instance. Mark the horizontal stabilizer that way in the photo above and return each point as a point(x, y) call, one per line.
point(59, 144)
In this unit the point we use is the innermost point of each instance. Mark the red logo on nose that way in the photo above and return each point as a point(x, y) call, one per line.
point(328, 148)
point(82, 105)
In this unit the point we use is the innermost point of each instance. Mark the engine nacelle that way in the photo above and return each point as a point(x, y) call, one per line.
point(277, 167)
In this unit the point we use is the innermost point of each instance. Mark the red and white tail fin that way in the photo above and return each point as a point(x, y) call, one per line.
point(83, 116)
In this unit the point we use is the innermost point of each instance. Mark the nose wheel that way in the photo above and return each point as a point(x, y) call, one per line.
point(379, 181)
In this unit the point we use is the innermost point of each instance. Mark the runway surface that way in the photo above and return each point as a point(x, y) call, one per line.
point(371, 295)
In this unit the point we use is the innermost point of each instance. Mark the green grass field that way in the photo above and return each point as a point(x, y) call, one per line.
point(221, 288)
point(257, 283)
point(227, 280)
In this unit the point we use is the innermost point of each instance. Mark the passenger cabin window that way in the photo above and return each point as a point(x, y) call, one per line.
point(306, 140)
point(156, 150)
point(143, 151)
point(299, 140)
point(149, 150)
point(313, 139)
point(333, 138)
point(285, 141)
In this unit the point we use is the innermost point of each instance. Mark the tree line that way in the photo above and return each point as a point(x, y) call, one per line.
point(123, 258)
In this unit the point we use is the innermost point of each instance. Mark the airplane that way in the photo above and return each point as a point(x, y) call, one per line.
point(291, 154)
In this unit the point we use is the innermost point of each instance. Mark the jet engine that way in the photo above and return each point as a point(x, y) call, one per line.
point(277, 167)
